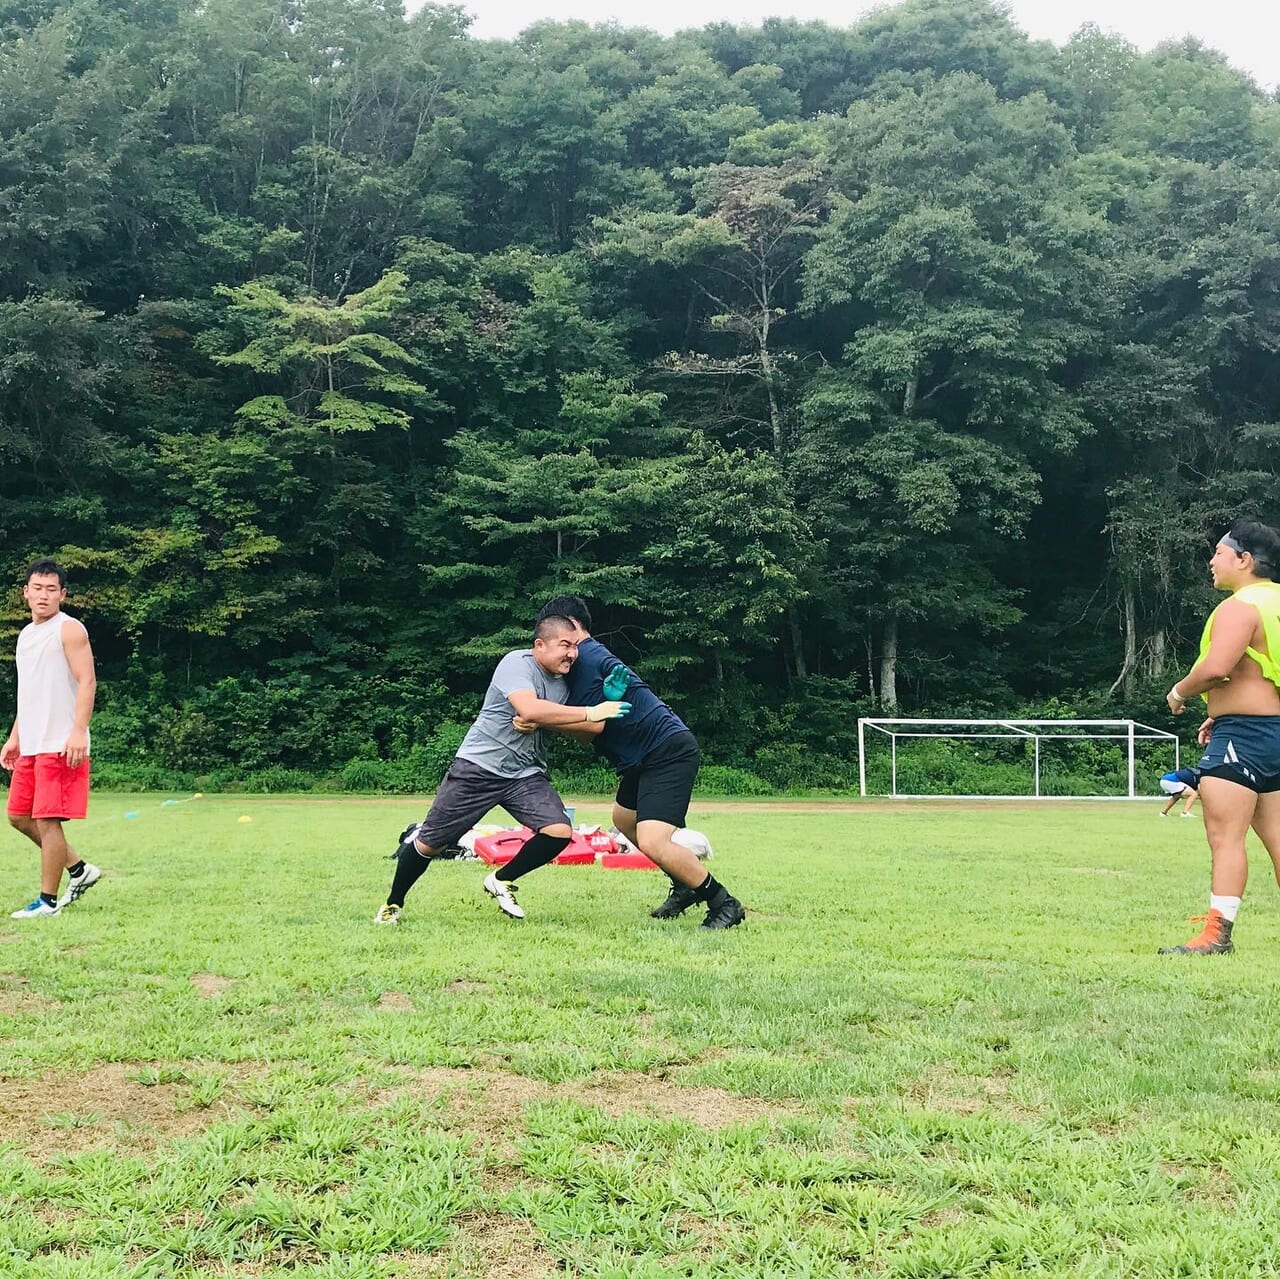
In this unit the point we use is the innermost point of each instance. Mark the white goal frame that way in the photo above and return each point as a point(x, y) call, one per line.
point(1034, 730)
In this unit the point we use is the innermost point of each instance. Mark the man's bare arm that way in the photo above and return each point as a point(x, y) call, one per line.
point(75, 644)
point(11, 749)
point(1233, 627)
point(544, 714)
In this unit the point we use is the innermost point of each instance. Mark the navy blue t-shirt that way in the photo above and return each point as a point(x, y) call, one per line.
point(624, 742)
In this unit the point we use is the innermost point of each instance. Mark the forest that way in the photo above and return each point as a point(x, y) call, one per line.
point(910, 368)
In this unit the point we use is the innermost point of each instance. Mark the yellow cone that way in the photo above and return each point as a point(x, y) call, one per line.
point(242, 820)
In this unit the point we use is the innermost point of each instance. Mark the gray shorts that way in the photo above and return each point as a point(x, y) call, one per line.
point(468, 792)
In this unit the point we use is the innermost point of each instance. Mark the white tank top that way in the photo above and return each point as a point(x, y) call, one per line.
point(46, 688)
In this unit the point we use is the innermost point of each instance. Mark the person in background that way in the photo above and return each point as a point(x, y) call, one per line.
point(1180, 784)
point(1238, 675)
point(497, 765)
point(47, 750)
point(657, 759)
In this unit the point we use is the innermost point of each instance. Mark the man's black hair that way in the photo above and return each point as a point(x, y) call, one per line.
point(573, 607)
point(47, 568)
point(552, 624)
point(1262, 542)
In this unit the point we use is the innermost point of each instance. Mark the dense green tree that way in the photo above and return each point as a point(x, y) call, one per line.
point(962, 271)
point(911, 363)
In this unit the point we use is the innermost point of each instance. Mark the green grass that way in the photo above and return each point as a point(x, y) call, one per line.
point(943, 1045)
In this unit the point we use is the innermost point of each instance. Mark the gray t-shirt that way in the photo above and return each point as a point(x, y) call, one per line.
point(491, 742)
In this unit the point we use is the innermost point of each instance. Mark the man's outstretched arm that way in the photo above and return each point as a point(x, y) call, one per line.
point(544, 714)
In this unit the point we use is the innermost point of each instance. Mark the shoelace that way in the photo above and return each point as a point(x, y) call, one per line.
point(1210, 934)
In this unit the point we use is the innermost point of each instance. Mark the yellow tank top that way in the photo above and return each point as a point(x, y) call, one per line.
point(1265, 597)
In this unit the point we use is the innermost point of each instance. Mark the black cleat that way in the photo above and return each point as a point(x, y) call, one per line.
point(724, 911)
point(679, 899)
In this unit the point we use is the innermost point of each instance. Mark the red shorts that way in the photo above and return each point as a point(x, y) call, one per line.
point(43, 786)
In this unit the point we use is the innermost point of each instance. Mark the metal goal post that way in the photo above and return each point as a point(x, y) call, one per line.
point(1033, 730)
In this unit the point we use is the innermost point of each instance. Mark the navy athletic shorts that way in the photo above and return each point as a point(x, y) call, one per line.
point(659, 787)
point(1245, 749)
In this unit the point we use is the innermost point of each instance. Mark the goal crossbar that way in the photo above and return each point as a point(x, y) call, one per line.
point(1033, 730)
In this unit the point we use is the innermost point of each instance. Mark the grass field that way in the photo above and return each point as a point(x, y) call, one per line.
point(943, 1045)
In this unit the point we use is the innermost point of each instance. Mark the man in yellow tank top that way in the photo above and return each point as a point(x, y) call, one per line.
point(1238, 674)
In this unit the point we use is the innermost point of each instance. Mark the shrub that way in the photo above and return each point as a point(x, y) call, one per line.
point(276, 780)
point(111, 775)
point(586, 779)
point(719, 779)
point(364, 775)
point(791, 766)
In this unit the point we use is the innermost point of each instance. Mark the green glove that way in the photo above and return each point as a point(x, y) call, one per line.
point(617, 681)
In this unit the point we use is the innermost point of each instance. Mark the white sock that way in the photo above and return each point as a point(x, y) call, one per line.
point(1227, 907)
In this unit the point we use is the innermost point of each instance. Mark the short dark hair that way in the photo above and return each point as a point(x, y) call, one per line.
point(46, 568)
point(1261, 541)
point(574, 607)
point(550, 626)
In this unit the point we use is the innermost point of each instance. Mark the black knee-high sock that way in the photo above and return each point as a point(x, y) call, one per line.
point(536, 851)
point(409, 869)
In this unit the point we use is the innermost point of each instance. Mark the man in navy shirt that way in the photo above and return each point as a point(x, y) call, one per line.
point(657, 758)
point(1181, 783)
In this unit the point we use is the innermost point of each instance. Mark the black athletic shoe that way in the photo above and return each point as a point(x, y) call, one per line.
point(679, 899)
point(724, 912)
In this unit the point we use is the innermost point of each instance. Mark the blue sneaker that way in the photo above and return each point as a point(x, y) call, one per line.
point(37, 907)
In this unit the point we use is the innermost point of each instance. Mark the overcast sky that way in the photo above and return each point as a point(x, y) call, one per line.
point(1247, 31)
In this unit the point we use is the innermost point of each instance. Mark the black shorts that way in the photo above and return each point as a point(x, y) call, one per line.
point(468, 792)
point(659, 787)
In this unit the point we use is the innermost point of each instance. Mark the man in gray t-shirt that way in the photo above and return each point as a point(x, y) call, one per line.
point(496, 766)
point(492, 742)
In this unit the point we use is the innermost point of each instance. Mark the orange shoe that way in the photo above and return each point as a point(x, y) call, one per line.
point(1214, 938)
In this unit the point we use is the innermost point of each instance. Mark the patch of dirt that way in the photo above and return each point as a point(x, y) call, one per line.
point(65, 1113)
point(492, 1102)
point(885, 804)
point(16, 996)
point(949, 1216)
point(1212, 1186)
point(15, 1003)
point(210, 985)
point(941, 1089)
point(394, 1001)
point(465, 987)
point(487, 1244)
point(501, 1179)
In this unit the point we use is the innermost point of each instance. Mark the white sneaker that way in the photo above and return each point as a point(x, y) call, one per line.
point(34, 909)
point(1188, 814)
point(80, 884)
point(505, 895)
point(387, 914)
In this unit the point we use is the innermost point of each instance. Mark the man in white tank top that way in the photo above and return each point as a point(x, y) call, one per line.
point(48, 750)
